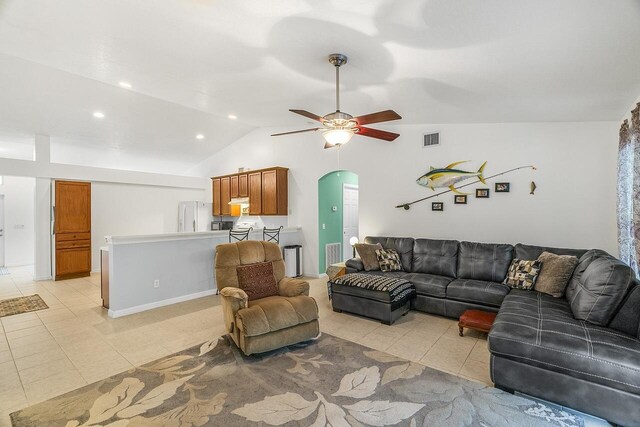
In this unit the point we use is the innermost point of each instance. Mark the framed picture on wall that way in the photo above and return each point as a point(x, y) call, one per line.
point(482, 193)
point(437, 206)
point(460, 199)
point(502, 187)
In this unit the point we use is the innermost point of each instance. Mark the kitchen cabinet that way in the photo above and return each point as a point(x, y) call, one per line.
point(225, 196)
point(243, 185)
point(267, 190)
point(72, 229)
point(216, 197)
point(255, 193)
point(234, 187)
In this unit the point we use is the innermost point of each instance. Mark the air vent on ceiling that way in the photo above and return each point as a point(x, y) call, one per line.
point(431, 139)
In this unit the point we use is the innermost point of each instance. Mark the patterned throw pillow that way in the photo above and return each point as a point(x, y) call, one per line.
point(523, 274)
point(257, 280)
point(389, 260)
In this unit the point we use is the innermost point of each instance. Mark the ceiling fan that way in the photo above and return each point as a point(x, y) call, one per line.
point(338, 127)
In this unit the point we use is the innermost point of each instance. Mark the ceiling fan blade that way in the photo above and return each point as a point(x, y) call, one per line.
point(327, 145)
point(309, 115)
point(380, 116)
point(295, 131)
point(377, 133)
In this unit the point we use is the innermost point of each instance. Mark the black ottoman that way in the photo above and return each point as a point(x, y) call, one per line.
point(376, 296)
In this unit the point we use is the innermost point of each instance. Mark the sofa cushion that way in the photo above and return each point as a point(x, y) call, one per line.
point(533, 252)
point(556, 273)
point(402, 245)
point(540, 330)
point(368, 257)
point(257, 280)
point(477, 291)
point(627, 319)
point(430, 284)
point(522, 274)
point(389, 260)
point(598, 286)
point(484, 261)
point(439, 257)
point(274, 313)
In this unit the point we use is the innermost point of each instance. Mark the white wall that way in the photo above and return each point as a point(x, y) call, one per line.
point(574, 205)
point(124, 209)
point(19, 220)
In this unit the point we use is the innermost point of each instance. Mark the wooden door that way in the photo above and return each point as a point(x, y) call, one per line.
point(234, 187)
point(216, 197)
point(255, 193)
point(243, 186)
point(72, 229)
point(269, 193)
point(225, 196)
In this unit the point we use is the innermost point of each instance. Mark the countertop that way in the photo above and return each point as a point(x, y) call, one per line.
point(218, 234)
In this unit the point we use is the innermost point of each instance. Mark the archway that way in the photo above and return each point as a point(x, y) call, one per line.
point(337, 216)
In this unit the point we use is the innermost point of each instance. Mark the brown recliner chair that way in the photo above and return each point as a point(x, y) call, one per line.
point(268, 323)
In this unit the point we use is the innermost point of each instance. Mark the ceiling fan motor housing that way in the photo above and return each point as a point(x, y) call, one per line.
point(337, 59)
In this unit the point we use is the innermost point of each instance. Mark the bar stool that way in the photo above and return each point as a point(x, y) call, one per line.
point(239, 235)
point(271, 234)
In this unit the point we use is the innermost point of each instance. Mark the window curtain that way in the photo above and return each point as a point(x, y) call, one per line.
point(629, 190)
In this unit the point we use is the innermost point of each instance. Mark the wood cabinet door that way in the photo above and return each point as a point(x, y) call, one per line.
point(72, 228)
point(225, 196)
point(234, 187)
point(216, 197)
point(243, 186)
point(255, 193)
point(73, 207)
point(73, 262)
point(269, 193)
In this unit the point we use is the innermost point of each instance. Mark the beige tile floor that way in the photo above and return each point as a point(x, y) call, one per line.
point(73, 343)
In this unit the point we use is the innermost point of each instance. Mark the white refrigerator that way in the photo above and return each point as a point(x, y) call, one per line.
point(194, 216)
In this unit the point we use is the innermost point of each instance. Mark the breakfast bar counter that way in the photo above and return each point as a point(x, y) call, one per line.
point(150, 271)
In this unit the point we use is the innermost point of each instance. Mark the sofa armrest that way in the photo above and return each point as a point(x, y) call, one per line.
point(233, 299)
point(354, 265)
point(290, 287)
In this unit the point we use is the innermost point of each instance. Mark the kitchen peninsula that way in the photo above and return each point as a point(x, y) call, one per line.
point(151, 271)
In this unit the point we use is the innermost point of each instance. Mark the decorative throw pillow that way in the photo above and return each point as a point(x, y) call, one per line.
point(257, 280)
point(389, 260)
point(522, 274)
point(555, 274)
point(368, 256)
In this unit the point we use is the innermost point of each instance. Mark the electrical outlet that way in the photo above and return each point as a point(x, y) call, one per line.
point(156, 283)
point(324, 226)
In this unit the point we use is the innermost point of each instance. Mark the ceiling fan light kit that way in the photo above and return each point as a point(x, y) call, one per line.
point(339, 127)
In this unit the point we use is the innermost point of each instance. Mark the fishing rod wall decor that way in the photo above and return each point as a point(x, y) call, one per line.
point(449, 176)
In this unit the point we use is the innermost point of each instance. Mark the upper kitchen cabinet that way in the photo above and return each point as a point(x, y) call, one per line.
point(217, 208)
point(225, 195)
point(267, 190)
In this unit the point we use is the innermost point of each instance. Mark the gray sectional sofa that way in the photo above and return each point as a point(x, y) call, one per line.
point(581, 351)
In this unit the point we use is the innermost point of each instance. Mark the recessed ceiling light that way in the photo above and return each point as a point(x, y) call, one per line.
point(232, 116)
point(125, 85)
point(98, 114)
point(199, 136)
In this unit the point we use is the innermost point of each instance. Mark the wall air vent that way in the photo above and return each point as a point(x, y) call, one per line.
point(431, 139)
point(332, 253)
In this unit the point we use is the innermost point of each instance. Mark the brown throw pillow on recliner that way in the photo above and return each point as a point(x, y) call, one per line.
point(367, 253)
point(555, 274)
point(257, 280)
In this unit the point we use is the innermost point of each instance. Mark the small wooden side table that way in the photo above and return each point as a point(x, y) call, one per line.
point(336, 270)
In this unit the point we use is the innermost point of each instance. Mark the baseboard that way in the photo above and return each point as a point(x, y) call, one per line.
point(321, 276)
point(157, 304)
point(41, 278)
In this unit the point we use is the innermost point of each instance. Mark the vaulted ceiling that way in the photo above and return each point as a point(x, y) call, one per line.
point(192, 63)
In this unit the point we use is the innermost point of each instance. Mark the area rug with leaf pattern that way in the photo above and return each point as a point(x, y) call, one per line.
point(326, 382)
